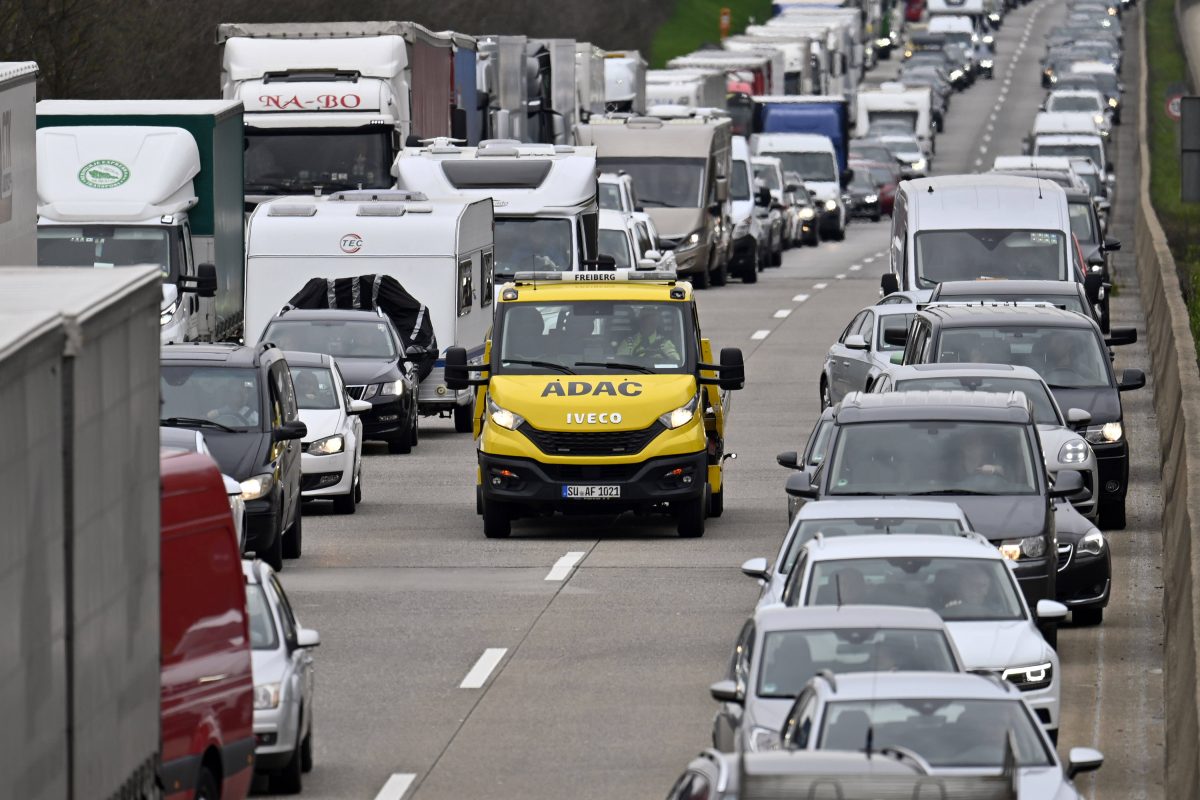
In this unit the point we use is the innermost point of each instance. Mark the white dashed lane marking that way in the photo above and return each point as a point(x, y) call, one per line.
point(760, 335)
point(482, 670)
point(563, 567)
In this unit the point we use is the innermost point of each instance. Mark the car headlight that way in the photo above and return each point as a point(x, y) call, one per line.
point(762, 740)
point(1092, 543)
point(956, 74)
point(1099, 119)
point(1029, 547)
point(682, 415)
point(1034, 676)
point(258, 486)
point(989, 39)
point(168, 313)
point(871, 198)
point(831, 205)
point(691, 240)
point(807, 213)
point(1104, 434)
point(394, 388)
point(266, 695)
point(920, 164)
point(1073, 452)
point(327, 446)
point(502, 416)
point(1112, 102)
point(987, 63)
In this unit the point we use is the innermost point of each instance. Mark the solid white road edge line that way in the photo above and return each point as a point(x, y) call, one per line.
point(479, 673)
point(396, 786)
point(759, 335)
point(783, 313)
point(562, 568)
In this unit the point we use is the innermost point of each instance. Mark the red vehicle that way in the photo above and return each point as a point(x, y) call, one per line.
point(885, 177)
point(914, 10)
point(207, 678)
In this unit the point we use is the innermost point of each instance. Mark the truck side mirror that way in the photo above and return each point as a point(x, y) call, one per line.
point(204, 284)
point(733, 368)
point(457, 376)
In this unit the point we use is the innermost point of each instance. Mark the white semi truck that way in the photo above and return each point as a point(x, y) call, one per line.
point(18, 173)
point(136, 182)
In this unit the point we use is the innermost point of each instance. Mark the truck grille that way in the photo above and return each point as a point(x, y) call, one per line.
point(1064, 555)
point(618, 473)
point(603, 443)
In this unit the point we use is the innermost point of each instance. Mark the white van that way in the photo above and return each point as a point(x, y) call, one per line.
point(972, 227)
point(814, 157)
point(441, 251)
point(1070, 122)
point(1072, 145)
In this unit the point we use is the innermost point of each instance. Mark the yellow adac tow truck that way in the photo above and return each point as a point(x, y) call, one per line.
point(598, 395)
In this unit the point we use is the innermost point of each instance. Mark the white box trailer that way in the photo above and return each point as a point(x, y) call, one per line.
point(79, 578)
point(625, 81)
point(895, 102)
point(799, 77)
point(18, 167)
point(692, 88)
point(441, 251)
point(589, 81)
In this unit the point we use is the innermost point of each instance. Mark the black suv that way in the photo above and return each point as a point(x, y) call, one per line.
point(977, 449)
point(370, 354)
point(243, 400)
point(1066, 349)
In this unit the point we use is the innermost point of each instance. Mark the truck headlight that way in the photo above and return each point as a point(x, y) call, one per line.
point(1029, 547)
point(394, 388)
point(762, 740)
point(168, 312)
point(1073, 452)
point(258, 486)
point(1034, 676)
point(1104, 434)
point(807, 213)
point(266, 696)
point(831, 205)
point(1113, 102)
point(502, 416)
point(682, 415)
point(327, 446)
point(1092, 543)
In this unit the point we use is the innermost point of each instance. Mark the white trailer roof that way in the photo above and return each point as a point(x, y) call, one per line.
point(19, 328)
point(381, 57)
point(14, 71)
point(75, 292)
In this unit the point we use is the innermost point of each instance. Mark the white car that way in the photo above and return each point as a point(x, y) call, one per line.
point(193, 441)
point(963, 578)
point(616, 192)
point(331, 457)
point(281, 651)
point(650, 243)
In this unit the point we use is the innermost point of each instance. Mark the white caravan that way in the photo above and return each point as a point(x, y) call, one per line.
point(18, 167)
point(545, 197)
point(439, 250)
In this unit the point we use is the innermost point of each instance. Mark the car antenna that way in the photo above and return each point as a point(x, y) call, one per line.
point(1037, 176)
point(837, 584)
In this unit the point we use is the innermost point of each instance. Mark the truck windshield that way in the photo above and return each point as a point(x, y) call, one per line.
point(662, 182)
point(974, 254)
point(298, 162)
point(813, 167)
point(105, 246)
point(1071, 358)
point(1092, 151)
point(891, 120)
point(591, 336)
point(933, 458)
point(531, 244)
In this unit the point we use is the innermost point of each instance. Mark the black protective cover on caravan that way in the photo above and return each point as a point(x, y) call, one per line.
point(383, 292)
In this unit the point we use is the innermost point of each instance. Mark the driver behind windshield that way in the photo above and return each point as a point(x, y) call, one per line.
point(647, 342)
point(241, 405)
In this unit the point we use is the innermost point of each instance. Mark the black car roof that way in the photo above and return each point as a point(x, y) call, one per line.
point(295, 358)
point(859, 407)
point(328, 313)
point(998, 315)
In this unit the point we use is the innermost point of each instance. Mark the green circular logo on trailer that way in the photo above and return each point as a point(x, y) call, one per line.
point(104, 173)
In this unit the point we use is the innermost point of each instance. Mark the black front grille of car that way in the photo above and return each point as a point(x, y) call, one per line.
point(1064, 555)
point(592, 443)
point(356, 392)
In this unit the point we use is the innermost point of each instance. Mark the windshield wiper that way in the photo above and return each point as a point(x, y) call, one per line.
point(194, 422)
point(650, 201)
point(543, 364)
point(615, 365)
point(951, 492)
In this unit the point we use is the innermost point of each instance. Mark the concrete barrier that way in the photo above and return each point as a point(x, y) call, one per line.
point(1177, 406)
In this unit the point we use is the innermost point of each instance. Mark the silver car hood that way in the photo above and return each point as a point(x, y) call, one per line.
point(999, 645)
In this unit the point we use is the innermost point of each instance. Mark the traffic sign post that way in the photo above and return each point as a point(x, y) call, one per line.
point(726, 22)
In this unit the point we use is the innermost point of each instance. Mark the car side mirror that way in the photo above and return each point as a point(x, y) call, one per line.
point(1131, 379)
point(726, 692)
point(1050, 610)
point(855, 341)
point(789, 459)
point(1111, 245)
point(646, 263)
point(799, 484)
point(1066, 483)
point(307, 637)
point(733, 368)
point(1093, 283)
point(1078, 417)
point(653, 255)
point(762, 197)
point(756, 568)
point(890, 284)
point(1083, 759)
point(289, 431)
point(1121, 336)
point(359, 407)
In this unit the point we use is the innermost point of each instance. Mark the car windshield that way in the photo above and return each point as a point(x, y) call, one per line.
point(616, 244)
point(892, 119)
point(297, 162)
point(1092, 151)
point(534, 245)
point(813, 167)
point(591, 337)
point(1077, 102)
point(610, 196)
point(768, 175)
point(806, 529)
point(107, 246)
point(946, 733)
point(958, 589)
point(902, 146)
point(263, 635)
point(335, 337)
point(967, 255)
point(228, 396)
point(1072, 358)
point(1081, 222)
point(662, 182)
point(791, 658)
point(1044, 410)
point(933, 457)
point(315, 388)
point(739, 187)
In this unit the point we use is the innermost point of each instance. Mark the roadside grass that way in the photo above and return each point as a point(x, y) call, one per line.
point(1167, 65)
point(696, 22)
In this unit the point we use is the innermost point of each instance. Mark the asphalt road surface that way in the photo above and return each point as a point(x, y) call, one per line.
point(573, 660)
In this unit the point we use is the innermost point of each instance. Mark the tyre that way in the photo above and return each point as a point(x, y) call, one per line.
point(716, 501)
point(1087, 616)
point(206, 786)
point(290, 779)
point(777, 256)
point(358, 490)
point(463, 419)
point(700, 279)
point(274, 554)
point(401, 446)
point(414, 433)
point(840, 234)
point(293, 540)
point(750, 275)
point(1112, 515)
point(876, 217)
point(497, 520)
point(720, 277)
point(689, 516)
point(345, 503)
point(306, 751)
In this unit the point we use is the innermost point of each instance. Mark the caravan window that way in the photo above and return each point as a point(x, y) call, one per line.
point(488, 280)
point(740, 189)
point(466, 288)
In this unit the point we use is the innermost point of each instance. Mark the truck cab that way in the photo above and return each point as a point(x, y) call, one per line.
point(598, 396)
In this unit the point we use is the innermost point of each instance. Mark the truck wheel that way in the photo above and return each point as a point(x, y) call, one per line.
point(293, 540)
point(401, 446)
point(206, 786)
point(344, 504)
point(1087, 616)
point(716, 501)
point(290, 779)
point(463, 419)
point(689, 516)
point(274, 554)
point(1112, 515)
point(497, 520)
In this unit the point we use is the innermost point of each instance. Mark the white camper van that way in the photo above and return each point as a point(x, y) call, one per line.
point(440, 251)
point(897, 104)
